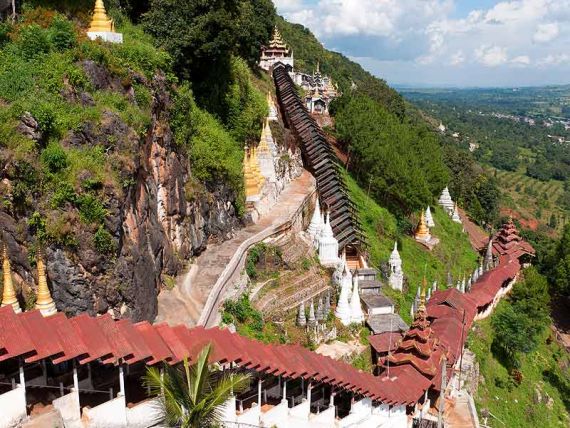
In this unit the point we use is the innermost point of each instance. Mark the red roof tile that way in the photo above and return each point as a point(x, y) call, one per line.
point(14, 339)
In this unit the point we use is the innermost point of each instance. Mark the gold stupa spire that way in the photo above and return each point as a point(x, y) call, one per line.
point(263, 147)
point(254, 162)
point(251, 184)
point(422, 232)
point(9, 297)
point(44, 302)
point(100, 23)
point(422, 307)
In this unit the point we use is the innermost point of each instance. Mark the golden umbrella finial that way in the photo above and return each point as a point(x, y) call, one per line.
point(9, 297)
point(44, 301)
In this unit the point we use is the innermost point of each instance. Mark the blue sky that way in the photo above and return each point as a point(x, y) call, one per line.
point(445, 42)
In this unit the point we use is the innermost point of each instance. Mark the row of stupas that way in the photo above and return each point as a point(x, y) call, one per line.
point(315, 316)
point(44, 301)
point(320, 231)
point(102, 27)
point(349, 309)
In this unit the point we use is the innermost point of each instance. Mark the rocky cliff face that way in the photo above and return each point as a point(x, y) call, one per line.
point(156, 219)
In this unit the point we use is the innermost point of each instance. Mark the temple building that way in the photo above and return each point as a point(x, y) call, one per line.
point(276, 51)
point(507, 241)
point(102, 27)
point(396, 278)
point(319, 90)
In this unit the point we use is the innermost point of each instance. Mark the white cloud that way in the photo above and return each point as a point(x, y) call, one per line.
point(457, 58)
point(521, 60)
point(491, 56)
point(511, 34)
point(546, 32)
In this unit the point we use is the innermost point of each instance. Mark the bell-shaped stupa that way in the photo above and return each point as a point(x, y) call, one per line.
point(101, 26)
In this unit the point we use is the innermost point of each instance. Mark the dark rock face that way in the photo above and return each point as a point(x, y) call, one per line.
point(154, 225)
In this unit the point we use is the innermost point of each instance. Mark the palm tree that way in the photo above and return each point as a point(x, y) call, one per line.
point(192, 396)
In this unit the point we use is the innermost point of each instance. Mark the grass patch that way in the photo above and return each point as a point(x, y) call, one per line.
point(453, 254)
point(545, 370)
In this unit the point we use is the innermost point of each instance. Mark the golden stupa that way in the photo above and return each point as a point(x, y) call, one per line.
point(255, 168)
point(422, 232)
point(9, 297)
point(44, 302)
point(263, 147)
point(100, 23)
point(251, 183)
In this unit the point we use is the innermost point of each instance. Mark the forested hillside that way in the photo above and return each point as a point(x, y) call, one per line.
point(114, 159)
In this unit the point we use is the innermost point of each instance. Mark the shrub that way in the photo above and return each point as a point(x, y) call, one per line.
point(91, 210)
point(45, 115)
point(54, 158)
point(104, 242)
point(5, 29)
point(62, 33)
point(64, 193)
point(34, 41)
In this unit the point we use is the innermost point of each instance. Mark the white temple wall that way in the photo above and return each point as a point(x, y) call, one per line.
point(112, 414)
point(276, 416)
point(250, 416)
point(145, 414)
point(300, 412)
point(13, 405)
point(69, 409)
point(324, 419)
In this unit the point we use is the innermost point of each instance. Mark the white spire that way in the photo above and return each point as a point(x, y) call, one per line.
point(356, 314)
point(434, 286)
point(429, 218)
point(342, 311)
point(462, 289)
point(316, 220)
point(328, 245)
point(396, 278)
point(301, 318)
point(311, 320)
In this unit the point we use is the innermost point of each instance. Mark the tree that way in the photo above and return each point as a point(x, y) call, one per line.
point(192, 396)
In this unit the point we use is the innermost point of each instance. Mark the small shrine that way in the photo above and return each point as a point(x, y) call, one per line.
point(396, 278)
point(102, 27)
point(328, 245)
point(429, 218)
point(423, 234)
point(44, 301)
point(445, 201)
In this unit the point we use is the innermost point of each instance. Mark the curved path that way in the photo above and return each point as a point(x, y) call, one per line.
point(198, 293)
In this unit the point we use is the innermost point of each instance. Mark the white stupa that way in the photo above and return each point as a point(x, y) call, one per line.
point(265, 159)
point(356, 314)
point(445, 200)
point(328, 245)
point(429, 218)
point(455, 215)
point(339, 271)
point(342, 311)
point(319, 232)
point(316, 221)
point(396, 279)
point(269, 138)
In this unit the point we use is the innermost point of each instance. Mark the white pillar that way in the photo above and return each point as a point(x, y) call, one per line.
point(284, 391)
point(259, 392)
point(121, 380)
point(21, 371)
point(309, 393)
point(75, 378)
point(331, 403)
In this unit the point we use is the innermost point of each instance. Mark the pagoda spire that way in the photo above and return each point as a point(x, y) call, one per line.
point(100, 21)
point(44, 301)
point(9, 297)
point(422, 232)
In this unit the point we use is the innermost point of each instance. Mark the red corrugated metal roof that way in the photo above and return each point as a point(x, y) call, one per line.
point(72, 345)
point(88, 331)
point(14, 340)
point(45, 340)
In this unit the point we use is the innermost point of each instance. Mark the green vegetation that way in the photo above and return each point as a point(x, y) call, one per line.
point(203, 37)
point(401, 176)
point(453, 254)
point(521, 398)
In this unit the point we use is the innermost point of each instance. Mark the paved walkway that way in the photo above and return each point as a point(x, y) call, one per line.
point(196, 297)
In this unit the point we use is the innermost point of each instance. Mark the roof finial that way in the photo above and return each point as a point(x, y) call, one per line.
point(44, 301)
point(9, 297)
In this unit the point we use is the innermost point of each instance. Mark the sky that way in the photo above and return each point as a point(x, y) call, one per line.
point(465, 43)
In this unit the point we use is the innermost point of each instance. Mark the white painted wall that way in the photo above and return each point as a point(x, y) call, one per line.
point(276, 416)
point(69, 408)
point(112, 414)
point(145, 414)
point(250, 416)
point(13, 407)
